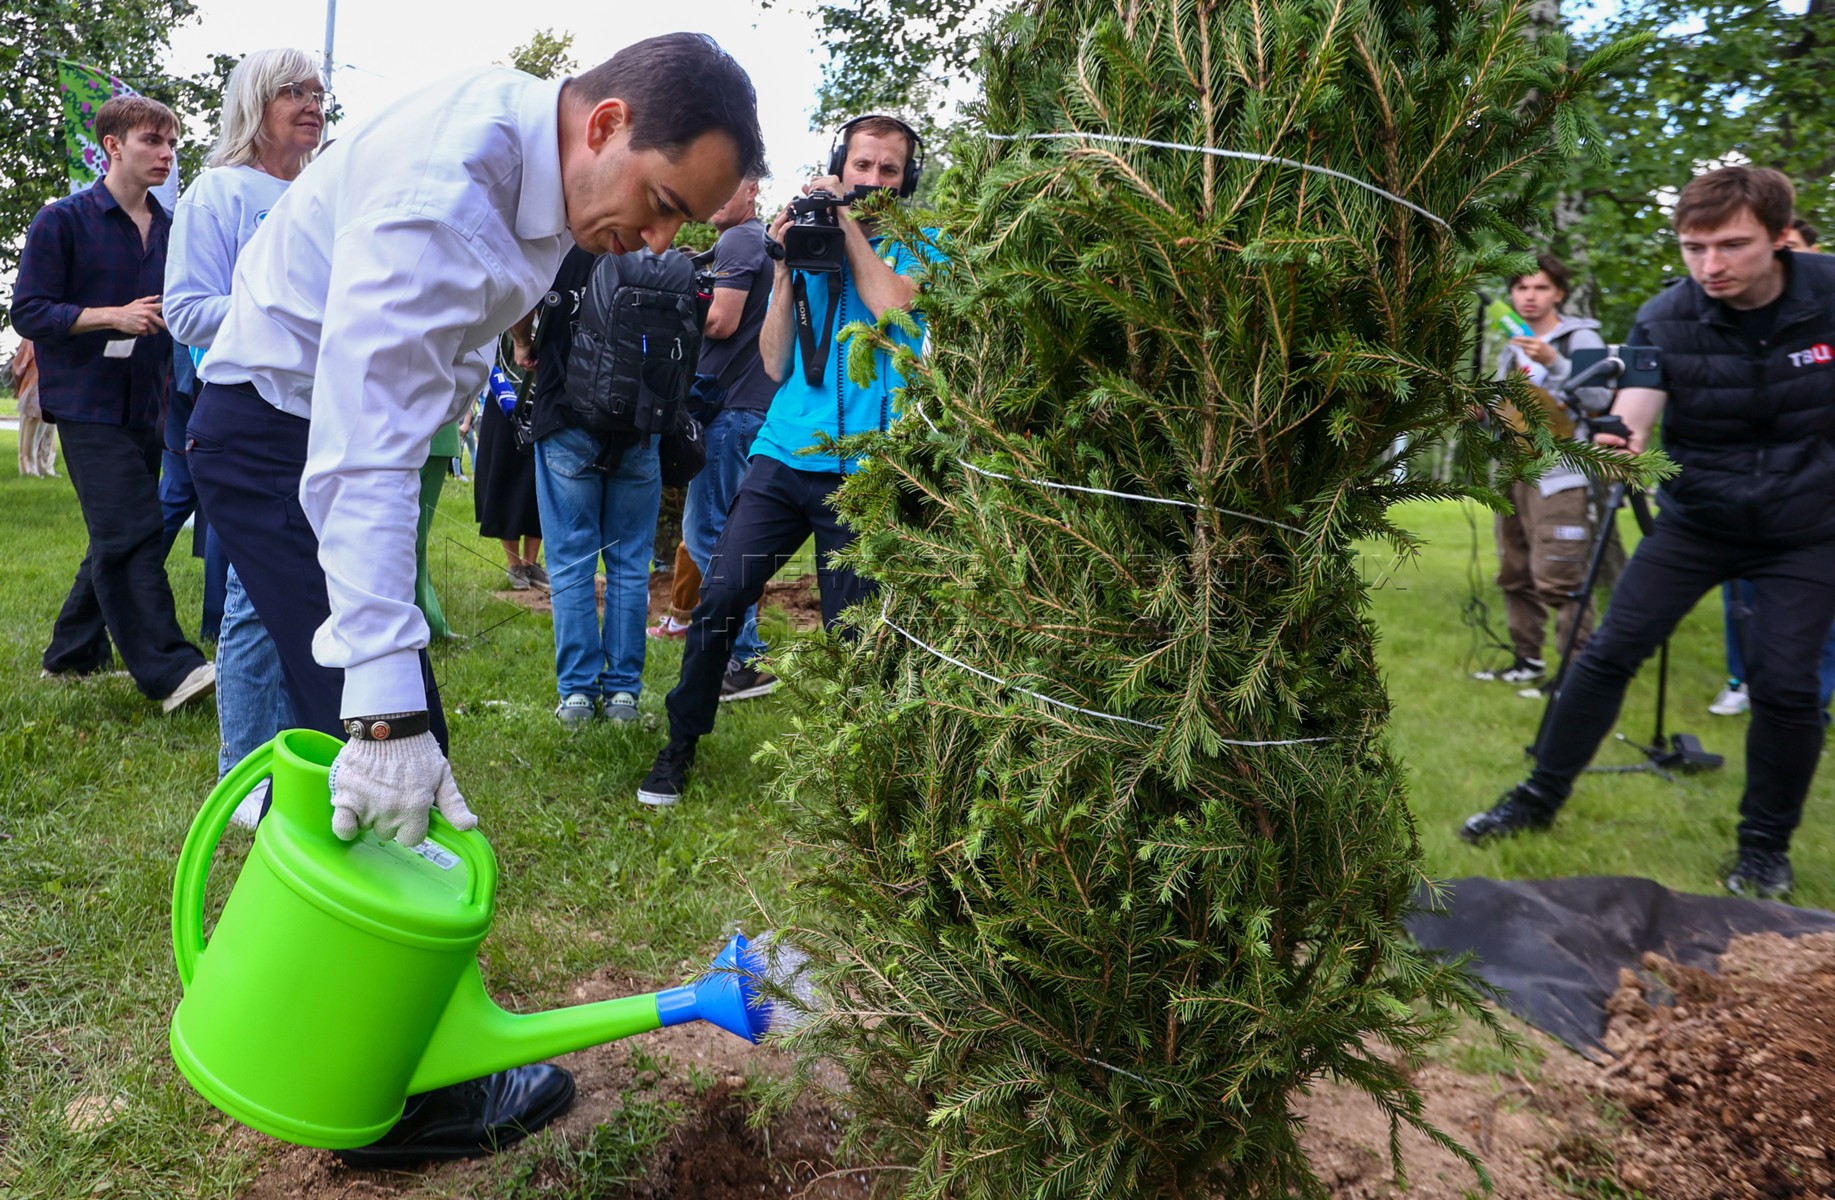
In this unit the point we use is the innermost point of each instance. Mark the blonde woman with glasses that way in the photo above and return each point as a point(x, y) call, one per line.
point(273, 117)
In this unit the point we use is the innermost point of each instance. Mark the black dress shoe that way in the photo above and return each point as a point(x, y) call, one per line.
point(480, 1116)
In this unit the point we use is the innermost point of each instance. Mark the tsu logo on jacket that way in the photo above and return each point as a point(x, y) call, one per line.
point(1815, 354)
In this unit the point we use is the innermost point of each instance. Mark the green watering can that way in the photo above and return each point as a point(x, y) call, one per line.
point(317, 930)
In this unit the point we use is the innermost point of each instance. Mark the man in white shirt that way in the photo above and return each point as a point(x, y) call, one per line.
point(357, 321)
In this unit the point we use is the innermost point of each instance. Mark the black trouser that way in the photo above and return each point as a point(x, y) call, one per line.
point(776, 509)
point(1794, 605)
point(121, 589)
point(246, 458)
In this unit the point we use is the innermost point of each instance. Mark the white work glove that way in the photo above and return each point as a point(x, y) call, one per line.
point(390, 786)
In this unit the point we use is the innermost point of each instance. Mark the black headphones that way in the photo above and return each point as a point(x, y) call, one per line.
point(914, 165)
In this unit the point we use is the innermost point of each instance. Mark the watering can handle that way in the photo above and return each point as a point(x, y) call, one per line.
point(200, 845)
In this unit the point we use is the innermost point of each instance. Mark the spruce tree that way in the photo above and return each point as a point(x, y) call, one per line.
point(1102, 854)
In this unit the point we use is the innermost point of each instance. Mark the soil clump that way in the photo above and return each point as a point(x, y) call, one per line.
point(1728, 1079)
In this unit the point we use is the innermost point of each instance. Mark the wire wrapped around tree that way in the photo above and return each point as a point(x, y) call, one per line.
point(1102, 855)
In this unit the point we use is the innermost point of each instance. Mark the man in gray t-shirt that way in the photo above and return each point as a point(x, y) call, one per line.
point(732, 394)
point(742, 291)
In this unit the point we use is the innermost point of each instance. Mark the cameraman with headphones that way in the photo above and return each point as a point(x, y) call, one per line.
point(785, 495)
point(1748, 409)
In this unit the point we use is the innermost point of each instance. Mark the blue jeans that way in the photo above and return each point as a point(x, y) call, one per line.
point(251, 697)
point(178, 500)
point(587, 516)
point(1736, 597)
point(710, 497)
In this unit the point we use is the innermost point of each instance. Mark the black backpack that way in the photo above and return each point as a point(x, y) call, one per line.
point(635, 346)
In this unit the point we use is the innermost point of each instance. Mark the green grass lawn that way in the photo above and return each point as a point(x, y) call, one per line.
point(97, 790)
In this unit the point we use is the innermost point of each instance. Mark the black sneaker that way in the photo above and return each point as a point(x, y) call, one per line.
point(745, 682)
point(1761, 875)
point(668, 775)
point(1520, 809)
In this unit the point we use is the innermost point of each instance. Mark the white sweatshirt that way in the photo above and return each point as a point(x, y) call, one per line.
point(216, 217)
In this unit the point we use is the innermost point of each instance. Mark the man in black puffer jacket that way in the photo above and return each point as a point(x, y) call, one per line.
point(1749, 416)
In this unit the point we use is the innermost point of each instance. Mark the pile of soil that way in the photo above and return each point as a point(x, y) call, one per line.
point(797, 597)
point(1728, 1078)
point(716, 1154)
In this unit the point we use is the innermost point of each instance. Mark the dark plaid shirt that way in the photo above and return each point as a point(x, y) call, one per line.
point(81, 252)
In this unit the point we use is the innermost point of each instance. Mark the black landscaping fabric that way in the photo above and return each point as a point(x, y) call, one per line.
point(1553, 947)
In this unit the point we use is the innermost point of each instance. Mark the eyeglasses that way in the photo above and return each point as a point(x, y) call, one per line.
point(301, 93)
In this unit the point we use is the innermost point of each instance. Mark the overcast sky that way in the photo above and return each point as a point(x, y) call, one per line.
point(384, 50)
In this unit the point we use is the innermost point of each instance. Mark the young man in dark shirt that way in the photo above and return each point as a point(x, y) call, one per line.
point(1748, 408)
point(88, 296)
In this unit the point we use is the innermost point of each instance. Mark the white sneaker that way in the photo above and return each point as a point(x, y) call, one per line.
point(201, 682)
point(248, 813)
point(1731, 702)
point(1523, 670)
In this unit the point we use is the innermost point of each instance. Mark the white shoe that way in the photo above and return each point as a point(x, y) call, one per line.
point(1523, 670)
point(201, 682)
point(248, 813)
point(1731, 702)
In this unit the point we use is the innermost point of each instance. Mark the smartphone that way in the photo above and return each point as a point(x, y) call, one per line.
point(1643, 366)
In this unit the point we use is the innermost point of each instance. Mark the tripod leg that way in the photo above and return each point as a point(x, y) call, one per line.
point(1656, 739)
point(1615, 500)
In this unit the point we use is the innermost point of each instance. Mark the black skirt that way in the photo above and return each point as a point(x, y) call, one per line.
point(504, 480)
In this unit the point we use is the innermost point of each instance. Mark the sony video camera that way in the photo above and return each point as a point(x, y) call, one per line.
point(813, 241)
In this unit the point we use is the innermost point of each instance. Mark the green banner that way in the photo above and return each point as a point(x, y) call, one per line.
point(84, 91)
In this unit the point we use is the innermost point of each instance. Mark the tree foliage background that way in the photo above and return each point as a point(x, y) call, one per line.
point(545, 55)
point(1102, 852)
point(1745, 78)
point(125, 38)
point(1720, 81)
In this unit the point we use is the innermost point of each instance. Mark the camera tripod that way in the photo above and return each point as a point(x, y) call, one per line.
point(1678, 752)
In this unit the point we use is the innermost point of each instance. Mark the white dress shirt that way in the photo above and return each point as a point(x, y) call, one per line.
point(363, 303)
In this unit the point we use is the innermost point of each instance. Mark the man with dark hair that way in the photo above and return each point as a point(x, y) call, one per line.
point(358, 325)
point(786, 496)
point(88, 295)
point(1542, 543)
point(1736, 594)
point(1748, 408)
